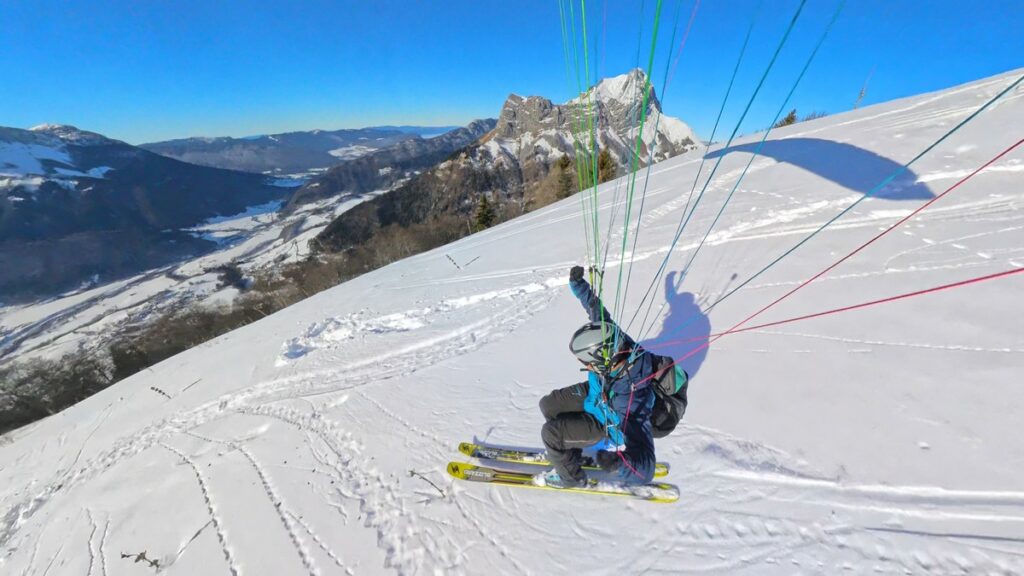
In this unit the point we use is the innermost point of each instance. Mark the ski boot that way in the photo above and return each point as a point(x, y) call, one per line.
point(552, 479)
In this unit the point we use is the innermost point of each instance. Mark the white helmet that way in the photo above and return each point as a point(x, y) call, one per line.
point(597, 343)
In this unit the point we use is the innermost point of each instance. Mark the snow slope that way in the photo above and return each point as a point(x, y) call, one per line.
point(882, 441)
point(30, 157)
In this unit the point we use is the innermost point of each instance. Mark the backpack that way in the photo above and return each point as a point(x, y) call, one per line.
point(670, 382)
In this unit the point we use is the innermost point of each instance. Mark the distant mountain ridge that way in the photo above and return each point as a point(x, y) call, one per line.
point(75, 203)
point(422, 131)
point(289, 152)
point(384, 168)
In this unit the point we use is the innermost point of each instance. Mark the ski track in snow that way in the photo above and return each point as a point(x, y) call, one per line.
point(229, 555)
point(334, 330)
point(378, 501)
point(280, 507)
point(825, 513)
point(92, 536)
point(103, 548)
point(256, 401)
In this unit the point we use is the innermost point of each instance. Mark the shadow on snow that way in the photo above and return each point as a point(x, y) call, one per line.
point(851, 167)
point(684, 328)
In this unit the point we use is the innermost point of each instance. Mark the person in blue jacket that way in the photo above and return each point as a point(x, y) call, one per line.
point(612, 406)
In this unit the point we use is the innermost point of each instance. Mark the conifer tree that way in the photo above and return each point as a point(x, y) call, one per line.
point(485, 215)
point(789, 120)
point(565, 177)
point(606, 168)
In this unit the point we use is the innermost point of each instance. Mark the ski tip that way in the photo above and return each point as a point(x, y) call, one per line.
point(467, 448)
point(664, 493)
point(455, 469)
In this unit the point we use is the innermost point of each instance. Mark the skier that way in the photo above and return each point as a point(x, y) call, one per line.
point(613, 405)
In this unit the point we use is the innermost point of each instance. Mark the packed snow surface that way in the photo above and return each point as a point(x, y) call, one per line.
point(880, 441)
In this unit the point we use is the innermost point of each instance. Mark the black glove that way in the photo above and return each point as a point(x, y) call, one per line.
point(608, 461)
point(576, 274)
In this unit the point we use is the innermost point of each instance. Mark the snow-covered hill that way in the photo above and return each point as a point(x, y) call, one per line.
point(883, 440)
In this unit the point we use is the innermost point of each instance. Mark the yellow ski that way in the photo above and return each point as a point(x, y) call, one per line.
point(533, 457)
point(655, 492)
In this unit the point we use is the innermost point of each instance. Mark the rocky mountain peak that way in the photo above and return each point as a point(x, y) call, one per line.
point(520, 115)
point(625, 88)
point(613, 105)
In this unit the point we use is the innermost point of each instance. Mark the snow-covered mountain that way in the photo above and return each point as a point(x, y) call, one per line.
point(291, 152)
point(74, 204)
point(883, 440)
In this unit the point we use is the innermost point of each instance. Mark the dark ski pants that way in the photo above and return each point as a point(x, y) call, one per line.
point(568, 429)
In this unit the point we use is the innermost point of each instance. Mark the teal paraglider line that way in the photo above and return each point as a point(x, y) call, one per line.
point(760, 144)
point(750, 102)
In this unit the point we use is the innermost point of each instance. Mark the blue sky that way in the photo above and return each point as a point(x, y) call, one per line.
point(144, 71)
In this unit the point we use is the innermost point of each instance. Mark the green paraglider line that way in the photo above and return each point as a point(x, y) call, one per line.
point(650, 154)
point(639, 139)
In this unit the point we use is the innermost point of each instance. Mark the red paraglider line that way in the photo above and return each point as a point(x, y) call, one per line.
point(847, 308)
point(682, 45)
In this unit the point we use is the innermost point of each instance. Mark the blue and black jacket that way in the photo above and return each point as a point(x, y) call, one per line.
point(613, 397)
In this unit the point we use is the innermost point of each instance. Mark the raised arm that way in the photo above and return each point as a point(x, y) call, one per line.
point(591, 301)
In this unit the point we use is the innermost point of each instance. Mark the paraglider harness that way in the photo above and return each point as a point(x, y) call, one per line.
point(670, 382)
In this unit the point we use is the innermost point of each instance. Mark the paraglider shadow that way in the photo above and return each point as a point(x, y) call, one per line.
point(684, 329)
point(851, 167)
